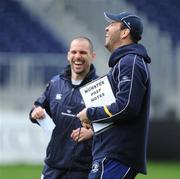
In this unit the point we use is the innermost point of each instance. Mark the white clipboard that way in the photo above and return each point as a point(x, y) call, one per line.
point(98, 93)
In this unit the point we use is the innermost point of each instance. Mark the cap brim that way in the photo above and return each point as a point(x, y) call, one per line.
point(109, 17)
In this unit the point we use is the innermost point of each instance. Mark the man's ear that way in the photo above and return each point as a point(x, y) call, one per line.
point(125, 33)
point(68, 58)
point(94, 55)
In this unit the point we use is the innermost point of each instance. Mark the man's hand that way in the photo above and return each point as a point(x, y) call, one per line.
point(81, 134)
point(38, 113)
point(83, 117)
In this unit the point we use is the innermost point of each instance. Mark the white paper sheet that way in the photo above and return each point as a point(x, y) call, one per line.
point(47, 124)
point(100, 127)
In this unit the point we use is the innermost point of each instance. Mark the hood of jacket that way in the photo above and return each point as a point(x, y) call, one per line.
point(120, 52)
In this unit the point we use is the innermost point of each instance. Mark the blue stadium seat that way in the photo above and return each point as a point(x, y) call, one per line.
point(4, 74)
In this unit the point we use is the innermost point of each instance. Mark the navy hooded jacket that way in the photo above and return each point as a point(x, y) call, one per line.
point(126, 139)
point(62, 99)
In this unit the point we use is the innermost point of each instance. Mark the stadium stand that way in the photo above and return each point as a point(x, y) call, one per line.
point(165, 14)
point(21, 33)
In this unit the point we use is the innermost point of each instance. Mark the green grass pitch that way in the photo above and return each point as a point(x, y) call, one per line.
point(156, 170)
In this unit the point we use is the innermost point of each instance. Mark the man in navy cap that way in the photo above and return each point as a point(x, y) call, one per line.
point(119, 151)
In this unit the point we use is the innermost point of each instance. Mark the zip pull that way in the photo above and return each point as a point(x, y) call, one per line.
point(67, 114)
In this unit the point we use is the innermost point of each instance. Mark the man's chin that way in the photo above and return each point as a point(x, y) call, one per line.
point(106, 44)
point(79, 71)
point(107, 47)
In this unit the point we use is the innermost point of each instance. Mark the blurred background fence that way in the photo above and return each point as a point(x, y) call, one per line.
point(34, 39)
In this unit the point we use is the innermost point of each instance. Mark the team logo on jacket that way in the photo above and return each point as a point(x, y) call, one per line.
point(95, 167)
point(58, 96)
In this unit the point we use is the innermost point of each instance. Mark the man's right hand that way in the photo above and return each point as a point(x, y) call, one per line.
point(38, 113)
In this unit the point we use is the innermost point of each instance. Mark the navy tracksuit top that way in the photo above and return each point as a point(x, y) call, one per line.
point(126, 141)
point(60, 97)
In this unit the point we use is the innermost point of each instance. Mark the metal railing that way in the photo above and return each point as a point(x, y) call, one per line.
point(23, 76)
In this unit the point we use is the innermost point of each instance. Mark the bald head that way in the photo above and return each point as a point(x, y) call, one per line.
point(81, 39)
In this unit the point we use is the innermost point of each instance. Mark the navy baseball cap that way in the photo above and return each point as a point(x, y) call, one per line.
point(131, 21)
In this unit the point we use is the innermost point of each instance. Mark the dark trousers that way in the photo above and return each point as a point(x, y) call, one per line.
point(51, 173)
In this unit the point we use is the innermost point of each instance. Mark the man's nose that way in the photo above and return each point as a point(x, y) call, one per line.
point(107, 28)
point(78, 55)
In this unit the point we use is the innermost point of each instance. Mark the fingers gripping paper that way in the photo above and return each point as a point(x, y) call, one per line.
point(98, 93)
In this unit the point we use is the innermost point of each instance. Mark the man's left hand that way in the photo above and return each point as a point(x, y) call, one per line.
point(81, 134)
